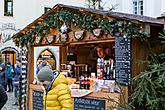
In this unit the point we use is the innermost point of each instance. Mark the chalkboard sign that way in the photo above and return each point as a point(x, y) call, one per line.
point(88, 104)
point(38, 100)
point(123, 59)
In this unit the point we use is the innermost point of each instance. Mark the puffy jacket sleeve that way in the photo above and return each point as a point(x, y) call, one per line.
point(44, 98)
point(64, 97)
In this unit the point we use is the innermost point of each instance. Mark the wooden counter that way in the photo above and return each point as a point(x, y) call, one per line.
point(93, 95)
point(103, 95)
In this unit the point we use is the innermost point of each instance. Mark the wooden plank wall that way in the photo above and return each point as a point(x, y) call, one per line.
point(139, 54)
point(63, 55)
point(140, 50)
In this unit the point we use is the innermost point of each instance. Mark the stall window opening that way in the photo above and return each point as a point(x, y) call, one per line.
point(88, 56)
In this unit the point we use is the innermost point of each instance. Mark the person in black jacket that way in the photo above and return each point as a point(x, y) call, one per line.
point(3, 97)
point(3, 76)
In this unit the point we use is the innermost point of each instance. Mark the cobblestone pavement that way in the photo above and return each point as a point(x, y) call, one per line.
point(8, 105)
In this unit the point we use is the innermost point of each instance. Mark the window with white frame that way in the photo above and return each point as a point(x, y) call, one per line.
point(138, 7)
point(8, 8)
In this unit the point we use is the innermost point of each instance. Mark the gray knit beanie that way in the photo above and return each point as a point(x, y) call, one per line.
point(45, 74)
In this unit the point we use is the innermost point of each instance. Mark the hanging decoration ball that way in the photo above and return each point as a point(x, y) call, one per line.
point(79, 35)
point(50, 39)
point(63, 37)
point(97, 32)
point(38, 39)
point(64, 28)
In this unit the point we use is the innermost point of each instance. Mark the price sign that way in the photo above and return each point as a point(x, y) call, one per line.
point(123, 60)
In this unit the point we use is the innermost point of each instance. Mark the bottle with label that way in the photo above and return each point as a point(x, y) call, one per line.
point(88, 83)
point(91, 83)
point(105, 70)
point(102, 68)
point(82, 82)
point(114, 74)
point(108, 71)
point(111, 69)
point(85, 82)
point(98, 68)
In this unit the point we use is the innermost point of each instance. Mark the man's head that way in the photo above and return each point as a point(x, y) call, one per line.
point(45, 76)
point(18, 62)
point(44, 61)
point(100, 51)
point(8, 64)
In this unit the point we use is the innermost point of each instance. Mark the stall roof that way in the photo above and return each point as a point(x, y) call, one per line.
point(161, 16)
point(126, 16)
point(117, 15)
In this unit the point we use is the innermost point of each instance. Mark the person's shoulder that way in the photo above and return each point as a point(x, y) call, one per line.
point(62, 86)
point(40, 65)
point(49, 66)
point(2, 65)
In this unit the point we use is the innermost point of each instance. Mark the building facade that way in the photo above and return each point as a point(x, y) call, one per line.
point(22, 12)
point(152, 8)
point(16, 14)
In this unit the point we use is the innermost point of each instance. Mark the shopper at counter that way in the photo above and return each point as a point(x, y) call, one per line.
point(57, 93)
point(42, 64)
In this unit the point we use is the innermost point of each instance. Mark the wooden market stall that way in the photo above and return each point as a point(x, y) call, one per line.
point(74, 39)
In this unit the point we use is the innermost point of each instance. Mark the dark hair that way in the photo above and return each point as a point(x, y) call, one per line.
point(99, 46)
point(8, 63)
point(43, 58)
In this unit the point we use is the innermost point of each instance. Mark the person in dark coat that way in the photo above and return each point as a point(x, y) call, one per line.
point(16, 80)
point(3, 97)
point(3, 76)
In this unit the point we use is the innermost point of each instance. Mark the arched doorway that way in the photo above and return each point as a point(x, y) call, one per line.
point(50, 58)
point(9, 54)
point(51, 53)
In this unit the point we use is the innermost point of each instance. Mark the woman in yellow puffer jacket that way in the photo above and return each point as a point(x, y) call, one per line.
point(57, 93)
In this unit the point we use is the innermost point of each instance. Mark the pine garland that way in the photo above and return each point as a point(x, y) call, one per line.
point(83, 21)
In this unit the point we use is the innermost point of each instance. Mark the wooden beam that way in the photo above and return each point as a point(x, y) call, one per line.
point(32, 27)
point(40, 19)
point(23, 32)
point(39, 22)
point(91, 42)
